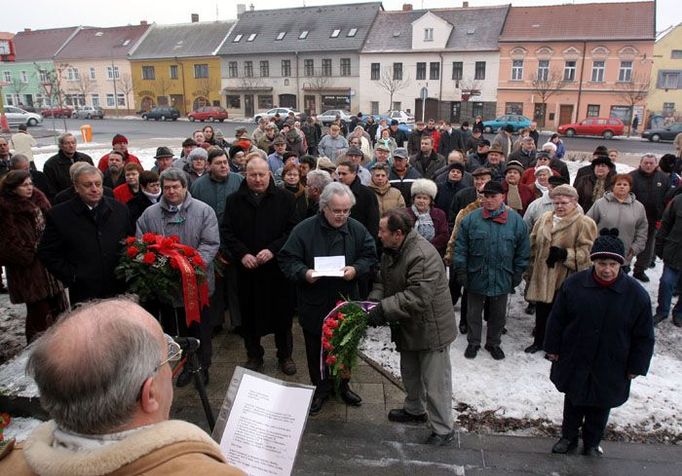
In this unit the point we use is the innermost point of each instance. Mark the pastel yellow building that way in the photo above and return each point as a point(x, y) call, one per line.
point(175, 66)
point(665, 96)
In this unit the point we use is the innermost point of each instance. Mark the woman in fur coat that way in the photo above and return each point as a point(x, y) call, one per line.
point(22, 209)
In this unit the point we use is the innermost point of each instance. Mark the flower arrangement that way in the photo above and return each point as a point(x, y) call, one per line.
point(157, 267)
point(342, 330)
point(5, 420)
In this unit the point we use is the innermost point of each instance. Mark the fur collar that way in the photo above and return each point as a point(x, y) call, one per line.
point(48, 461)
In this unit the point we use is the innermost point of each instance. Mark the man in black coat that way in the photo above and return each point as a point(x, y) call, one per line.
point(21, 162)
point(415, 138)
point(599, 337)
point(257, 221)
point(81, 243)
point(451, 139)
point(329, 233)
point(57, 167)
point(398, 135)
point(366, 208)
point(650, 186)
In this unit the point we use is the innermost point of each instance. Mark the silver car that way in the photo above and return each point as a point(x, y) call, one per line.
point(327, 117)
point(16, 116)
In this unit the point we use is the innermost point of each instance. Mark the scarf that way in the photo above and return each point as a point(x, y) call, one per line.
point(598, 190)
point(424, 224)
point(514, 197)
point(498, 216)
point(544, 190)
point(153, 197)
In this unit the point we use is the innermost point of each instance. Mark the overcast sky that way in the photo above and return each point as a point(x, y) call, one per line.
point(50, 13)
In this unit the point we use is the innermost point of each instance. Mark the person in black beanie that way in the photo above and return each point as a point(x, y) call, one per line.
point(599, 337)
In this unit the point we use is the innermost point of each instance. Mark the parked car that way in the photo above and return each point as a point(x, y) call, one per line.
point(663, 133)
point(407, 128)
point(89, 112)
point(517, 121)
point(57, 111)
point(402, 117)
point(208, 113)
point(327, 117)
point(16, 116)
point(161, 113)
point(282, 111)
point(607, 127)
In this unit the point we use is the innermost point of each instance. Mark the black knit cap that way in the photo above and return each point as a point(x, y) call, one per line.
point(608, 246)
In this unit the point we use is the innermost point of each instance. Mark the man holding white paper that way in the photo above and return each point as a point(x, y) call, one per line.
point(325, 255)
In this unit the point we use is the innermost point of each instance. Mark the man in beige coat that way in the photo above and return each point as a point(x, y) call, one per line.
point(104, 376)
point(22, 143)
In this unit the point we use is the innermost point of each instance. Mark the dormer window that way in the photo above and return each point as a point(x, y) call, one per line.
point(303, 35)
point(352, 32)
point(237, 38)
point(126, 42)
point(281, 35)
point(428, 34)
point(252, 37)
point(335, 33)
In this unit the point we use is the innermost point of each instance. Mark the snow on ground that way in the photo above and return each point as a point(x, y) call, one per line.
point(518, 387)
point(20, 428)
point(96, 151)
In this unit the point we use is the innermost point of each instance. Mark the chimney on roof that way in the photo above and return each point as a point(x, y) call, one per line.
point(144, 22)
point(251, 7)
point(241, 9)
point(407, 7)
point(465, 4)
point(195, 17)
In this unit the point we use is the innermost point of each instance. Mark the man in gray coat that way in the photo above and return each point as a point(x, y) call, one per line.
point(195, 223)
point(413, 297)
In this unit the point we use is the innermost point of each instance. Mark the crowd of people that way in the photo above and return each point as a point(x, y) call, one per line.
point(420, 220)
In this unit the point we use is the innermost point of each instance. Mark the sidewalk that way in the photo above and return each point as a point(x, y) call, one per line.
point(359, 440)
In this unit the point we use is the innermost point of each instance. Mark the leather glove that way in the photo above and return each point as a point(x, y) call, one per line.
point(516, 279)
point(556, 255)
point(462, 278)
point(375, 317)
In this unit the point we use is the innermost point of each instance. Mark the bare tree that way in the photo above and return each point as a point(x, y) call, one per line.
point(547, 86)
point(634, 92)
point(469, 88)
point(204, 89)
point(85, 86)
point(247, 83)
point(389, 83)
point(18, 86)
point(125, 85)
point(319, 82)
point(163, 86)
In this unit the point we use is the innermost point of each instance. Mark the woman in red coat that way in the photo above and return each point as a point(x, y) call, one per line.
point(429, 221)
point(22, 209)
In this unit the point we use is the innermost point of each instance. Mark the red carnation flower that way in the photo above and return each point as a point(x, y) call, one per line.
point(132, 251)
point(175, 238)
point(167, 243)
point(328, 333)
point(326, 345)
point(130, 240)
point(196, 259)
point(340, 317)
point(149, 238)
point(331, 360)
point(333, 324)
point(149, 258)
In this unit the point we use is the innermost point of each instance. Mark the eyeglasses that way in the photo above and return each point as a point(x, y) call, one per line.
point(174, 352)
point(339, 213)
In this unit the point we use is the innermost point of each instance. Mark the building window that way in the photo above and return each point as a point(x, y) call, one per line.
point(675, 54)
point(237, 38)
point(374, 108)
point(233, 101)
point(598, 71)
point(248, 69)
point(326, 67)
point(398, 71)
point(44, 76)
point(9, 99)
point(95, 100)
point(110, 100)
point(112, 73)
point(232, 69)
point(265, 101)
point(8, 76)
point(480, 70)
point(517, 70)
point(625, 72)
point(252, 37)
point(286, 68)
point(569, 71)
point(434, 71)
point(201, 71)
point(428, 34)
point(303, 35)
point(543, 70)
point(477, 109)
point(147, 74)
point(121, 100)
point(457, 70)
point(23, 77)
point(421, 71)
point(668, 108)
point(309, 67)
point(264, 69)
point(352, 32)
point(281, 35)
point(375, 72)
point(345, 66)
point(397, 106)
point(335, 33)
point(173, 71)
point(593, 110)
point(72, 74)
point(513, 108)
point(669, 80)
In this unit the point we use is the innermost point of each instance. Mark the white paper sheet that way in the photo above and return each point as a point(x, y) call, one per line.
point(330, 266)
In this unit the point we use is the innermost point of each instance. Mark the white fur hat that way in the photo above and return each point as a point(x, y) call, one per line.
point(424, 186)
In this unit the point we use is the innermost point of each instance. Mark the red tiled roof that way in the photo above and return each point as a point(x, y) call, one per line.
point(102, 43)
point(33, 45)
point(588, 21)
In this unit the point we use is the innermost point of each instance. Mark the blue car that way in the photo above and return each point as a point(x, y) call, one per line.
point(517, 122)
point(406, 128)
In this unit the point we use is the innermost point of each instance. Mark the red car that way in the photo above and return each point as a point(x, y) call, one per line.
point(607, 127)
point(208, 113)
point(57, 112)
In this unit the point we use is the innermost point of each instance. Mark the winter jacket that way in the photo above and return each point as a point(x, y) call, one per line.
point(575, 233)
point(526, 194)
point(57, 169)
point(388, 197)
point(70, 193)
point(427, 166)
point(493, 255)
point(461, 199)
point(399, 136)
point(414, 141)
point(601, 334)
point(525, 158)
point(136, 206)
point(463, 213)
point(332, 148)
point(123, 193)
point(446, 194)
point(215, 193)
point(528, 177)
point(669, 235)
point(366, 208)
point(504, 141)
point(404, 184)
point(629, 217)
point(650, 190)
point(560, 150)
point(497, 170)
point(81, 247)
point(23, 143)
point(412, 288)
point(109, 181)
point(475, 160)
point(440, 224)
point(192, 175)
point(103, 163)
point(585, 187)
point(312, 238)
point(169, 447)
point(449, 141)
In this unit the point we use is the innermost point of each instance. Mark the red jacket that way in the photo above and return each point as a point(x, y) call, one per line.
point(123, 194)
point(528, 177)
point(103, 163)
point(525, 192)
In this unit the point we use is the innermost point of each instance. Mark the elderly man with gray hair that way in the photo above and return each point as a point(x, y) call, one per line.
point(331, 232)
point(307, 205)
point(83, 238)
point(104, 375)
point(57, 167)
point(195, 223)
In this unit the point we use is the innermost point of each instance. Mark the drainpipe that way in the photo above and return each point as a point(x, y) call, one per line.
point(580, 84)
point(298, 88)
point(184, 97)
point(440, 89)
